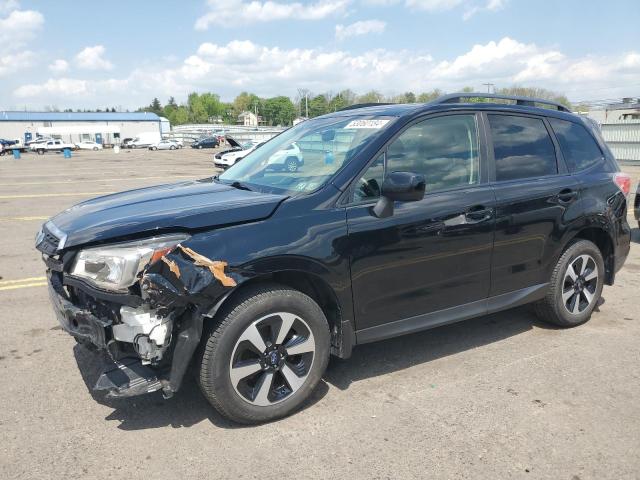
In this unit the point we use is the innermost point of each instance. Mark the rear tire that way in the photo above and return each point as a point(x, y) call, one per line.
point(272, 334)
point(575, 286)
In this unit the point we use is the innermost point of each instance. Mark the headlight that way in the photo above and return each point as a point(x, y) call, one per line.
point(116, 267)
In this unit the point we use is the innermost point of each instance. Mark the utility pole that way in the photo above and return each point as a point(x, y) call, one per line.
point(489, 87)
point(303, 92)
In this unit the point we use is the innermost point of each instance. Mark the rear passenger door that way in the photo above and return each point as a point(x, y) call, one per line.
point(534, 193)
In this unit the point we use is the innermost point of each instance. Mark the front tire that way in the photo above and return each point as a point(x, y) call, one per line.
point(291, 165)
point(265, 355)
point(575, 286)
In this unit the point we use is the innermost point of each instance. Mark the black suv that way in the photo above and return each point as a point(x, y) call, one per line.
point(403, 218)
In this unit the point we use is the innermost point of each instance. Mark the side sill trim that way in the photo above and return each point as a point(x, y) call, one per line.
point(452, 315)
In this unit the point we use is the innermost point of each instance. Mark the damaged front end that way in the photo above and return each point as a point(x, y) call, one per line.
point(141, 302)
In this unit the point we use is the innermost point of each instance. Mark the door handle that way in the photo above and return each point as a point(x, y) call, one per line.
point(566, 195)
point(478, 214)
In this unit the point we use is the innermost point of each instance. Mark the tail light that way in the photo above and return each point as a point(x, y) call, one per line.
point(623, 181)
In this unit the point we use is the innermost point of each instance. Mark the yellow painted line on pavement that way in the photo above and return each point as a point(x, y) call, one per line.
point(66, 182)
point(42, 195)
point(24, 285)
point(23, 280)
point(79, 171)
point(21, 219)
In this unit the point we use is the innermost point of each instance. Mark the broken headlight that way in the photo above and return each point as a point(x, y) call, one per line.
point(116, 267)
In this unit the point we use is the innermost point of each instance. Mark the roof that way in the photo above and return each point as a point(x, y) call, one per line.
point(78, 117)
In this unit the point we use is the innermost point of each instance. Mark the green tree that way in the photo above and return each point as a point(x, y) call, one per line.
point(428, 96)
point(318, 105)
point(536, 93)
point(371, 97)
point(279, 111)
point(246, 102)
point(338, 103)
point(155, 107)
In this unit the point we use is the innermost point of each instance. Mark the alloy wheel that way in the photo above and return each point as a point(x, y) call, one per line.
point(272, 359)
point(580, 284)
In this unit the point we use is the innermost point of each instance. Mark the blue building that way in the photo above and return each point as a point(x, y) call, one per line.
point(73, 127)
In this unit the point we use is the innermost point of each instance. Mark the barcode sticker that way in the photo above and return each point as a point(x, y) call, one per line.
point(372, 124)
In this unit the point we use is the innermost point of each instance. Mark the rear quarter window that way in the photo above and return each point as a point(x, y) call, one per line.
point(579, 148)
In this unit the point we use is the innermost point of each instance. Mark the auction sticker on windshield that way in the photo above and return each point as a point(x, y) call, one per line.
point(373, 124)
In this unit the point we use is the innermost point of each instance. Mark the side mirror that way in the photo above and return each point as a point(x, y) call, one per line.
point(328, 135)
point(401, 187)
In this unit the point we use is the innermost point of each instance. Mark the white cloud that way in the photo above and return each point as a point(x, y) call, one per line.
point(433, 5)
point(240, 65)
point(471, 7)
point(11, 63)
point(494, 58)
point(62, 87)
point(490, 6)
point(59, 66)
point(230, 13)
point(7, 6)
point(363, 27)
point(91, 58)
point(17, 28)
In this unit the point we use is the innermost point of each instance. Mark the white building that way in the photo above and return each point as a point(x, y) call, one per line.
point(73, 127)
point(248, 119)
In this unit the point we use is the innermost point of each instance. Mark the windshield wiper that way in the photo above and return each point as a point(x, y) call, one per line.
point(239, 185)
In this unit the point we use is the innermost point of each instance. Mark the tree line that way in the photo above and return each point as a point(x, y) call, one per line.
point(282, 110)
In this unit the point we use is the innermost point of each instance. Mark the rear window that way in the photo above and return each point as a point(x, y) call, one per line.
point(522, 148)
point(579, 149)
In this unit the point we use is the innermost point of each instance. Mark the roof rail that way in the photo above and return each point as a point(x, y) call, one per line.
point(525, 101)
point(363, 105)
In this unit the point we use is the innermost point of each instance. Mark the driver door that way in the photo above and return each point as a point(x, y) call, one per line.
point(432, 254)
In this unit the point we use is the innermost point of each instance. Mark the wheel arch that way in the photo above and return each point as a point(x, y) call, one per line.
point(312, 285)
point(602, 238)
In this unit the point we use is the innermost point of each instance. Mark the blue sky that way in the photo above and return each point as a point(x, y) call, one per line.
point(122, 53)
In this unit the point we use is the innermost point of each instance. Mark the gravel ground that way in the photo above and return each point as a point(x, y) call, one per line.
point(502, 396)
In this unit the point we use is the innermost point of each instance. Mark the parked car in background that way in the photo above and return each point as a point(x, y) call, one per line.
point(145, 140)
point(209, 142)
point(289, 159)
point(636, 205)
point(126, 142)
point(7, 143)
point(407, 217)
point(234, 146)
point(89, 145)
point(231, 158)
point(52, 146)
point(164, 145)
point(38, 140)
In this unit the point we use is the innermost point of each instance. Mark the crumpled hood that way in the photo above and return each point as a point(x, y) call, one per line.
point(185, 205)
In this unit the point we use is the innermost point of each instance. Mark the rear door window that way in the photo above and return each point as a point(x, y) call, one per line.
point(578, 146)
point(522, 148)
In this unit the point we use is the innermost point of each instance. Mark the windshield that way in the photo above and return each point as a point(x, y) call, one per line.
point(306, 156)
